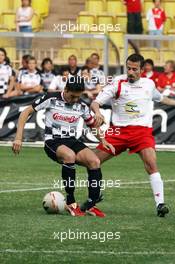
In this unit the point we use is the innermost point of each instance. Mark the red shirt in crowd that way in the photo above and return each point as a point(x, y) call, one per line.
point(133, 6)
point(154, 76)
point(165, 82)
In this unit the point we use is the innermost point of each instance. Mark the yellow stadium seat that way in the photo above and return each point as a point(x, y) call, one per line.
point(122, 21)
point(117, 38)
point(11, 53)
point(95, 6)
point(115, 7)
point(169, 7)
point(15, 4)
point(152, 53)
point(41, 7)
point(36, 23)
point(147, 6)
point(8, 19)
point(86, 53)
point(121, 53)
point(106, 20)
point(168, 24)
point(4, 6)
point(85, 22)
point(3, 29)
point(145, 25)
point(64, 53)
point(166, 54)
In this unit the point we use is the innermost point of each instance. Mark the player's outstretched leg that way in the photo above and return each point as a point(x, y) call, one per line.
point(68, 175)
point(148, 156)
point(91, 161)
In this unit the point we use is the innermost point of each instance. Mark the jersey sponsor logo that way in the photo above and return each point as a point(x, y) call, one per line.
point(132, 108)
point(69, 119)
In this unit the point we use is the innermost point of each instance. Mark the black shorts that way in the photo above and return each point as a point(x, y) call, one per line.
point(51, 146)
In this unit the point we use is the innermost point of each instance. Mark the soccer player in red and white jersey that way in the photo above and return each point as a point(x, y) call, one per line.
point(131, 98)
point(63, 111)
point(156, 18)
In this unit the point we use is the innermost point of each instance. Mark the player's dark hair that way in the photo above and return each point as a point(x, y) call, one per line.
point(75, 84)
point(136, 58)
point(149, 61)
point(26, 57)
point(4, 51)
point(85, 68)
point(46, 60)
point(31, 58)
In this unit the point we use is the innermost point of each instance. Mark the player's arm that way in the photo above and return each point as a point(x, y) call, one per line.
point(21, 123)
point(168, 101)
point(104, 96)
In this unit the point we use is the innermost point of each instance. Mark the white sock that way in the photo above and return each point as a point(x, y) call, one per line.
point(157, 187)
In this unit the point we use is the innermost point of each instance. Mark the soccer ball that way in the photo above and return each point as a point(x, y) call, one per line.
point(54, 203)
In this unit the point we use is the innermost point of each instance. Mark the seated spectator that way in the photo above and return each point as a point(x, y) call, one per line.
point(149, 72)
point(89, 63)
point(47, 73)
point(59, 82)
point(92, 87)
point(72, 66)
point(23, 69)
point(30, 81)
point(97, 69)
point(166, 81)
point(7, 75)
point(156, 18)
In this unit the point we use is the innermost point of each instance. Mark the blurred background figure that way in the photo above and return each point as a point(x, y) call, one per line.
point(166, 81)
point(134, 19)
point(7, 75)
point(156, 18)
point(59, 82)
point(24, 15)
point(73, 67)
point(149, 72)
point(47, 73)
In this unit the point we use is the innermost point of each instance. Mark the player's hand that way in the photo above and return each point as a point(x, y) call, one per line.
point(99, 119)
point(17, 144)
point(108, 146)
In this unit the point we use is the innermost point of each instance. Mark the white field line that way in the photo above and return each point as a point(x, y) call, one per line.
point(83, 252)
point(55, 188)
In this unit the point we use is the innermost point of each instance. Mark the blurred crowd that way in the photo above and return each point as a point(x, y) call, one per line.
point(32, 79)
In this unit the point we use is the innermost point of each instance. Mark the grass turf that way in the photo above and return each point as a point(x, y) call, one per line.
point(27, 232)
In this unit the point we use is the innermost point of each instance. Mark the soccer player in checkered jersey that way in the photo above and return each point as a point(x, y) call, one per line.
point(63, 111)
point(131, 98)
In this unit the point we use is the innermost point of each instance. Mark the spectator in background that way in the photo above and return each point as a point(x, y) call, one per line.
point(97, 69)
point(89, 63)
point(156, 18)
point(166, 81)
point(134, 19)
point(59, 82)
point(30, 81)
point(24, 15)
point(92, 86)
point(72, 66)
point(47, 73)
point(24, 68)
point(7, 75)
point(149, 72)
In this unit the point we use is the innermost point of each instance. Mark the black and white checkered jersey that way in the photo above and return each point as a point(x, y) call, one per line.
point(30, 79)
point(62, 118)
point(6, 72)
point(47, 78)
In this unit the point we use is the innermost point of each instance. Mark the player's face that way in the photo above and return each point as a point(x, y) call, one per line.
point(48, 66)
point(72, 97)
point(2, 57)
point(148, 67)
point(133, 71)
point(32, 65)
point(72, 62)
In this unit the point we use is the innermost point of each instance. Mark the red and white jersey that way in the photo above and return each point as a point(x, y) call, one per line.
point(131, 102)
point(156, 18)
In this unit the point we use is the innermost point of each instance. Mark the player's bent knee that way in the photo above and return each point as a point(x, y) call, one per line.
point(67, 157)
point(94, 163)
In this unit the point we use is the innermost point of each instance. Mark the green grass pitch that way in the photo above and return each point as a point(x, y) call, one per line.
point(27, 232)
